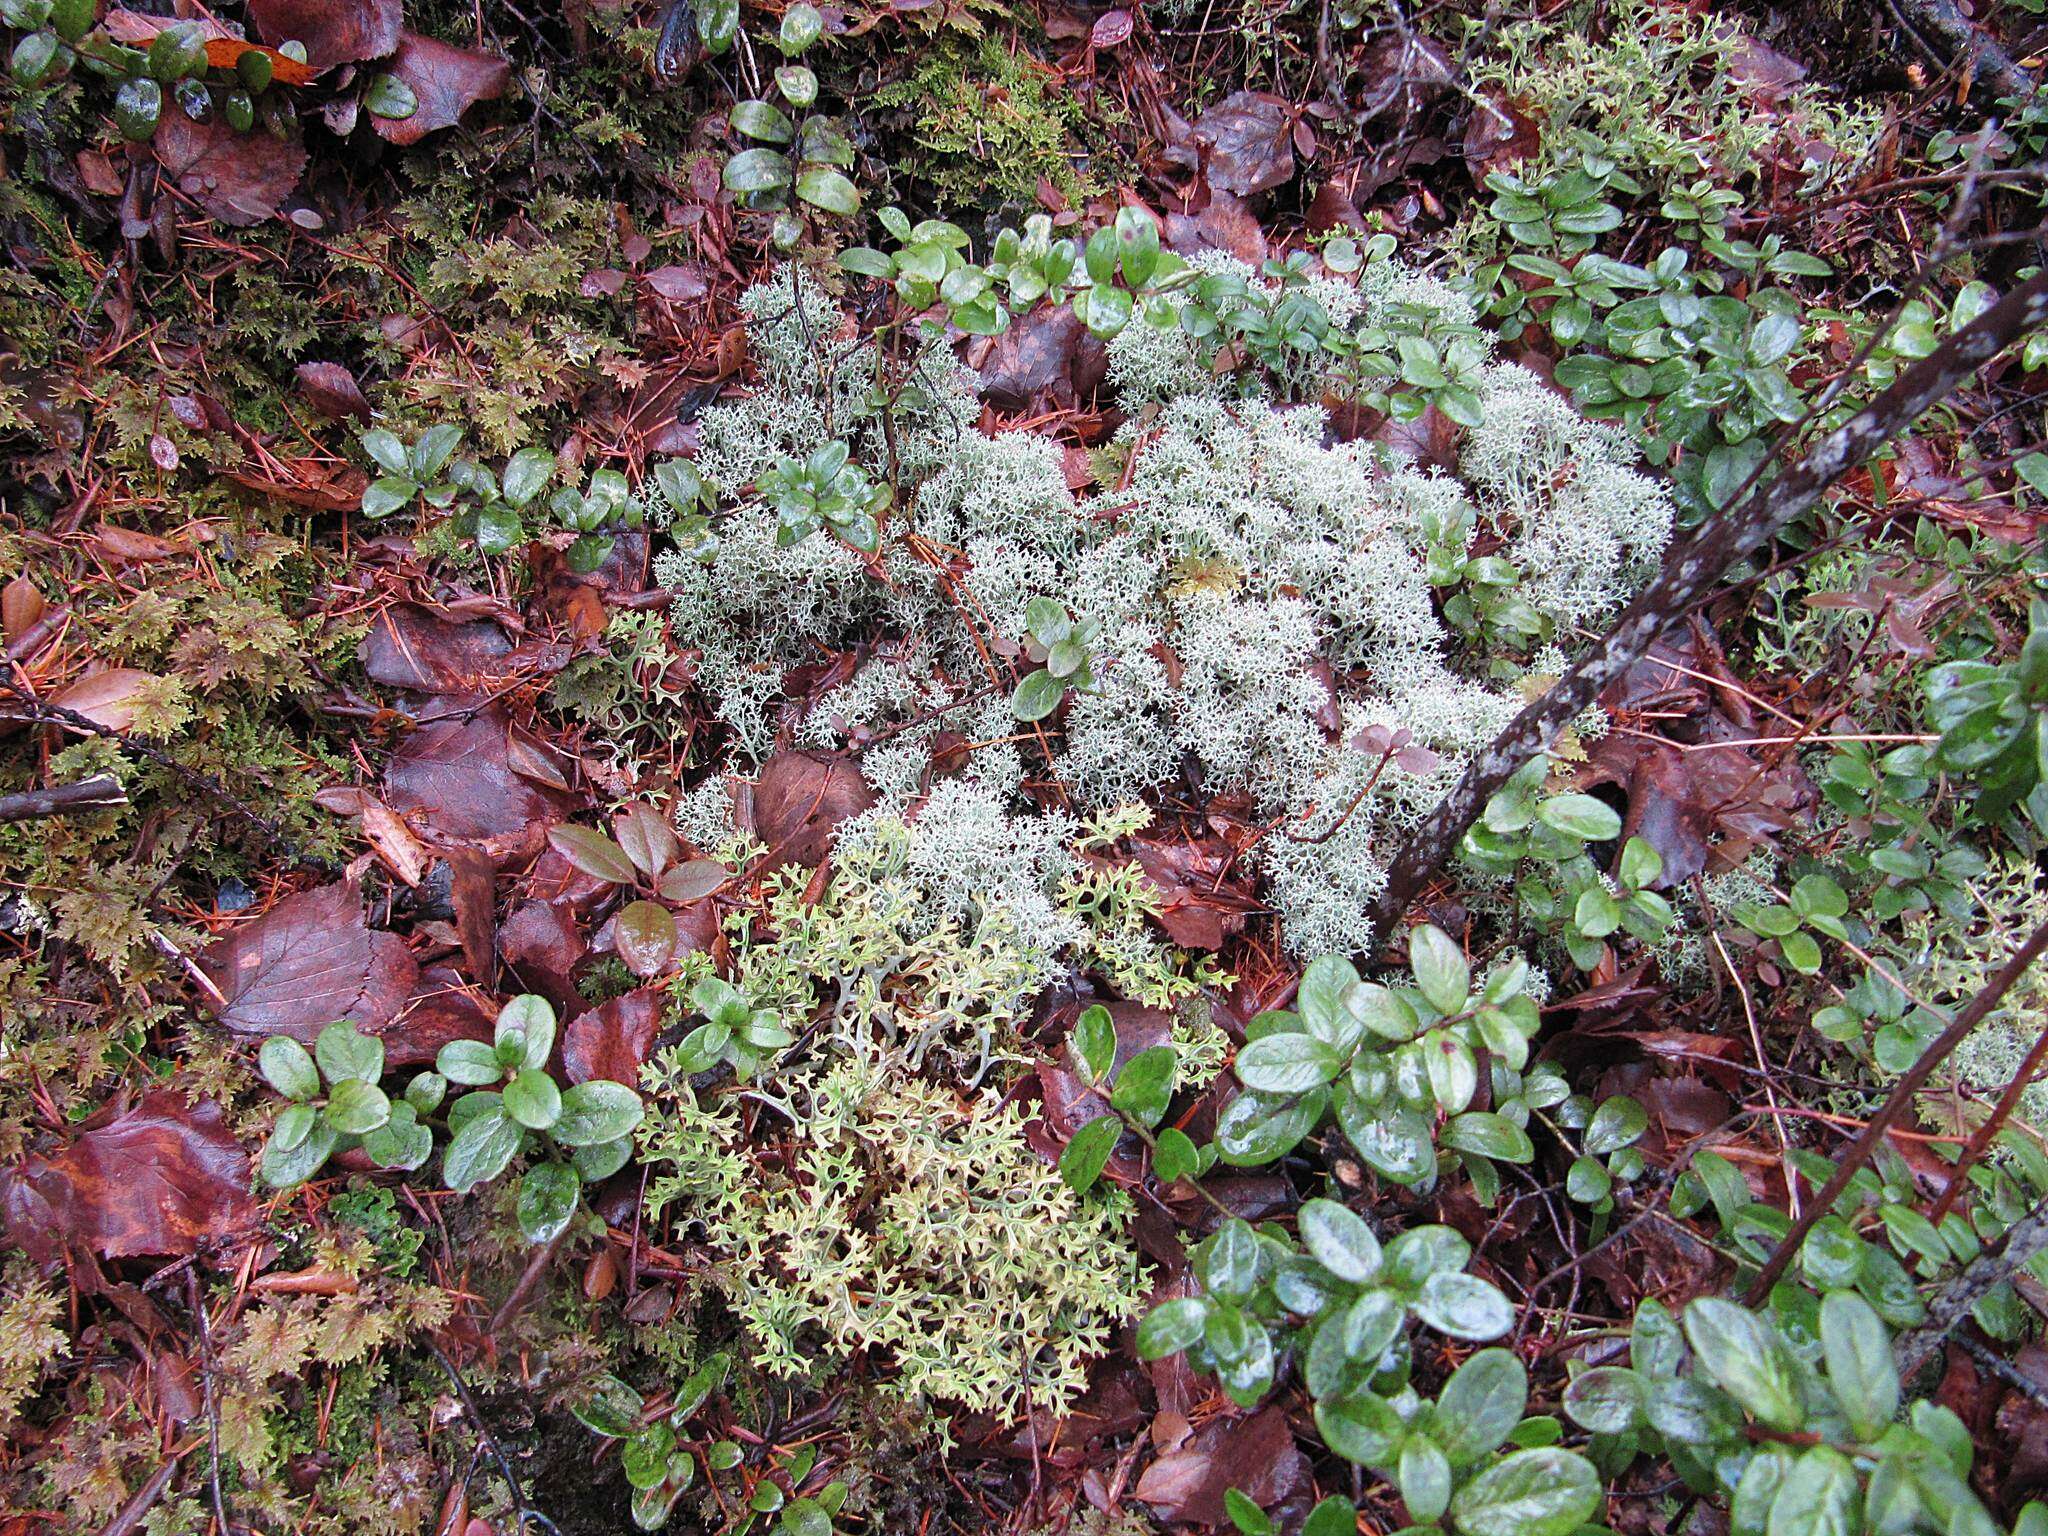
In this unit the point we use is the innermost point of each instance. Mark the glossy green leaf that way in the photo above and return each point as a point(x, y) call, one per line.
point(288, 1067)
point(828, 189)
point(1547, 1492)
point(1858, 1351)
point(1037, 696)
point(1744, 1356)
point(390, 98)
point(548, 1193)
point(596, 1111)
point(1171, 1327)
point(1094, 1043)
point(345, 1052)
point(1480, 1405)
point(532, 1099)
point(1144, 1087)
point(479, 1151)
point(593, 853)
point(761, 120)
point(1087, 1154)
point(356, 1108)
point(1288, 1063)
point(1339, 1240)
point(1464, 1306)
point(1441, 971)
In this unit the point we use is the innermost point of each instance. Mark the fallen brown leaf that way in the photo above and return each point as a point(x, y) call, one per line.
point(162, 1177)
point(308, 961)
point(334, 31)
point(238, 178)
point(613, 1039)
point(798, 802)
point(446, 80)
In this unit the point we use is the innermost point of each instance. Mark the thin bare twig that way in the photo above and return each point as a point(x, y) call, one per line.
point(1895, 1107)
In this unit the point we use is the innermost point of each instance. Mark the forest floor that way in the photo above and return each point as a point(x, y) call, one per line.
point(759, 767)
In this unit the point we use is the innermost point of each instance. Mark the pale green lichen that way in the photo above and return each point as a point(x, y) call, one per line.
point(901, 1220)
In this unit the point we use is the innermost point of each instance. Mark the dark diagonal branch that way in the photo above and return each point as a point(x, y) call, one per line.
point(1690, 572)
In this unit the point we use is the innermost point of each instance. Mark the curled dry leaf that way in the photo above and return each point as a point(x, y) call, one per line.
point(543, 944)
point(1255, 1455)
point(22, 606)
point(1045, 355)
point(445, 80)
point(473, 890)
point(308, 961)
point(111, 699)
point(1111, 28)
point(238, 178)
point(408, 647)
point(403, 854)
point(163, 1177)
point(456, 782)
point(677, 284)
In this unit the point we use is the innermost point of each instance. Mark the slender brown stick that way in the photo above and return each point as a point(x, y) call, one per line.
point(1895, 1107)
point(2019, 1244)
point(1986, 1133)
point(97, 793)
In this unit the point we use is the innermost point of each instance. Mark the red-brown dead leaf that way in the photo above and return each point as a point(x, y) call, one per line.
point(1112, 28)
point(1250, 140)
point(402, 853)
point(1401, 74)
point(473, 892)
point(1429, 440)
point(408, 647)
point(455, 781)
point(446, 80)
point(1226, 224)
point(334, 31)
point(311, 959)
point(1499, 135)
point(1197, 908)
point(1046, 358)
point(162, 1177)
point(613, 1039)
point(440, 1009)
point(1766, 75)
point(332, 391)
point(543, 945)
point(111, 699)
point(237, 178)
point(1255, 1455)
point(677, 284)
point(799, 800)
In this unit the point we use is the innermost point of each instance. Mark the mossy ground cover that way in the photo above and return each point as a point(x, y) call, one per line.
point(707, 711)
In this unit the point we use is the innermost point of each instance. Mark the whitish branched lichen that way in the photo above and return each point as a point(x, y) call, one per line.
point(1264, 595)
